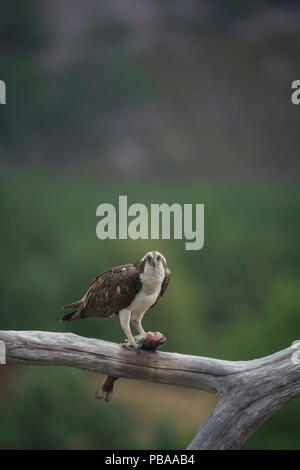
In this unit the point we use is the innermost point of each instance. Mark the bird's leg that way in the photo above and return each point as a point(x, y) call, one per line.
point(125, 325)
point(137, 323)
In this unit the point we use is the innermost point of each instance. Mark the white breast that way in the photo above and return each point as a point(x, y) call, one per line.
point(152, 279)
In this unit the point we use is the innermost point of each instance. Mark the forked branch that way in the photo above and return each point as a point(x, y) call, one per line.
point(249, 391)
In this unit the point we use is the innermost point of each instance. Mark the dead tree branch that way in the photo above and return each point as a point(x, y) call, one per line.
point(249, 391)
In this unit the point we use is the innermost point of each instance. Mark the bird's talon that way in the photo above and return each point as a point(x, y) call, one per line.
point(128, 345)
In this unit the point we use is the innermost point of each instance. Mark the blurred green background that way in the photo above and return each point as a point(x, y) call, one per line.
point(165, 102)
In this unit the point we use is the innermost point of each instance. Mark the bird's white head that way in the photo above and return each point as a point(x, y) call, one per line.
point(155, 259)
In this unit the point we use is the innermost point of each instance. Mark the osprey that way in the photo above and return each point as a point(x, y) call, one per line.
point(128, 291)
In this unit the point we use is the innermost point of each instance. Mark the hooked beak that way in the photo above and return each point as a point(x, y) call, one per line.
point(153, 262)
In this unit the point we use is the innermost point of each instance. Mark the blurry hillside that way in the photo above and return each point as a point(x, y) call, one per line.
point(170, 87)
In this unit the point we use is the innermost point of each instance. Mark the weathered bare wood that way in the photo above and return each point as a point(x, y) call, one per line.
point(249, 391)
point(250, 398)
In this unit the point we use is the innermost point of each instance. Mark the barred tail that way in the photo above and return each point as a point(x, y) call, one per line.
point(70, 317)
point(72, 305)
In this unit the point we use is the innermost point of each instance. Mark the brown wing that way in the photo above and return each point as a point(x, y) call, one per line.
point(111, 291)
point(164, 285)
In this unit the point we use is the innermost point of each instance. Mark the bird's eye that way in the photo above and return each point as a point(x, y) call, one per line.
point(149, 258)
point(159, 258)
